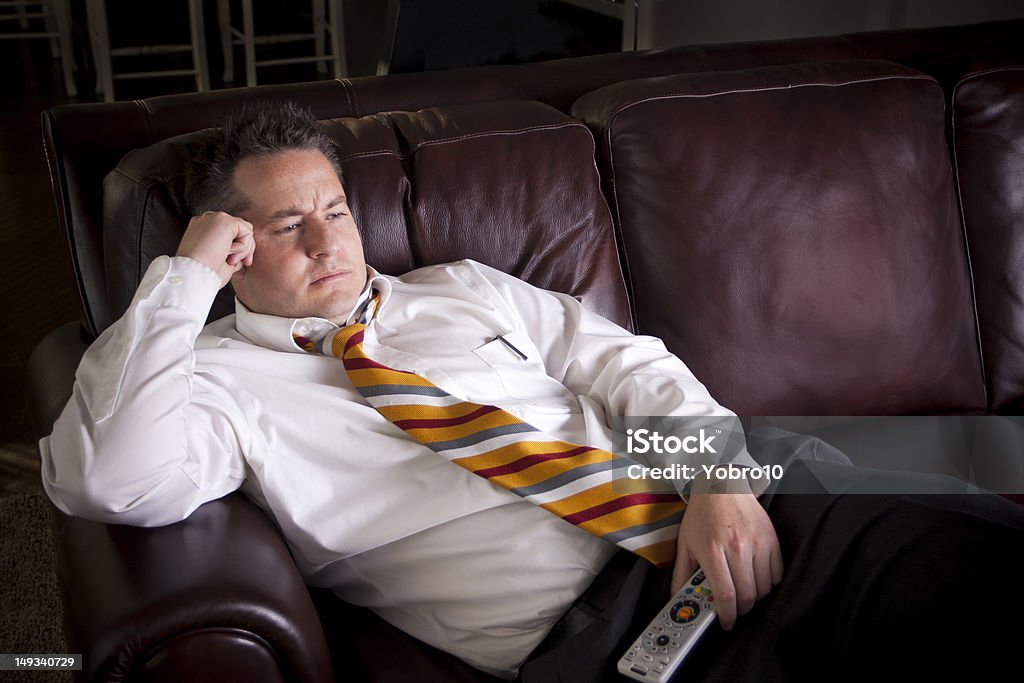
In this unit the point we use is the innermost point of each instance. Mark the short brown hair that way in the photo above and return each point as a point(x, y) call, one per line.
point(261, 129)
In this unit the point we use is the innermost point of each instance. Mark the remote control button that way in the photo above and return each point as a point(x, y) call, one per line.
point(664, 660)
point(711, 598)
point(698, 578)
point(688, 591)
point(663, 640)
point(685, 611)
point(675, 644)
point(658, 668)
point(647, 658)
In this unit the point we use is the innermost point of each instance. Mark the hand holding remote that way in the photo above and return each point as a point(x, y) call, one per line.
point(672, 634)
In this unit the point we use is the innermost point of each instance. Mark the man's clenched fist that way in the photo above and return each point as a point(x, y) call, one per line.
point(219, 240)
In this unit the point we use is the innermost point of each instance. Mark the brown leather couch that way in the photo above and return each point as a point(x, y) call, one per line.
point(828, 226)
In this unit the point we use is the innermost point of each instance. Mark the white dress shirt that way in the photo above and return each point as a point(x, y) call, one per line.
point(167, 415)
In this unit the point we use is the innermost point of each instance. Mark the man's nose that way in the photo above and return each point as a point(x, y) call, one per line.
point(321, 240)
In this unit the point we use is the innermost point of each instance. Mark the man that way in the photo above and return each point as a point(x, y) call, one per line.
point(167, 415)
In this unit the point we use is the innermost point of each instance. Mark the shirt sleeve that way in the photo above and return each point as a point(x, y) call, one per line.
point(627, 375)
point(145, 439)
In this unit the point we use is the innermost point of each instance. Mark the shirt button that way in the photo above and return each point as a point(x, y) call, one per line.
point(174, 279)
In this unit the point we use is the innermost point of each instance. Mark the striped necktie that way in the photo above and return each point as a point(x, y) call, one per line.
point(569, 480)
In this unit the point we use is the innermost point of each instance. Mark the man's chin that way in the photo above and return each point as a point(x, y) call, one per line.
point(335, 309)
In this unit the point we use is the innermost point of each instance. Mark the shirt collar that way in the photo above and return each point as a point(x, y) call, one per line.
point(278, 333)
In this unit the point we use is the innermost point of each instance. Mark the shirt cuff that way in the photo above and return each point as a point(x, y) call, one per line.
point(180, 282)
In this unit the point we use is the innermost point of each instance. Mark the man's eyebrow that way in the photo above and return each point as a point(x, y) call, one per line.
point(286, 213)
point(296, 211)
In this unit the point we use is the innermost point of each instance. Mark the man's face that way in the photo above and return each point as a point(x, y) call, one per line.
point(308, 259)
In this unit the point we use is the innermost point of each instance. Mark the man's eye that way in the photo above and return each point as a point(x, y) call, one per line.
point(336, 215)
point(289, 228)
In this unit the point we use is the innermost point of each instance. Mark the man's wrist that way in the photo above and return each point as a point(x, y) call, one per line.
point(724, 478)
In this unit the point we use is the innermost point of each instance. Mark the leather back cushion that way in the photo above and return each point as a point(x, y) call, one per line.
point(793, 234)
point(511, 184)
point(988, 140)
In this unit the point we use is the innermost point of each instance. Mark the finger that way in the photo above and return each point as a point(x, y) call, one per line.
point(250, 251)
point(241, 239)
point(241, 247)
point(716, 569)
point(763, 571)
point(684, 567)
point(243, 231)
point(776, 565)
point(741, 566)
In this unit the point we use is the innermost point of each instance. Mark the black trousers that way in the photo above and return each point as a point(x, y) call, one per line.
point(894, 586)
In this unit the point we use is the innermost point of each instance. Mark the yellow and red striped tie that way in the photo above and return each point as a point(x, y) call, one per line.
point(569, 480)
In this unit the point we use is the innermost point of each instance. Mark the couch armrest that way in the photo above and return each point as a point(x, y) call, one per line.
point(51, 375)
point(216, 597)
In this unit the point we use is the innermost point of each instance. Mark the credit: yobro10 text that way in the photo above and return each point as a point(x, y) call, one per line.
point(643, 441)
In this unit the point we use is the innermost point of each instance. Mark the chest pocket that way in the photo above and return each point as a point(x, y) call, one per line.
point(518, 365)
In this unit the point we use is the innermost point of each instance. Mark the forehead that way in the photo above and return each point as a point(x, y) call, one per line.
point(292, 176)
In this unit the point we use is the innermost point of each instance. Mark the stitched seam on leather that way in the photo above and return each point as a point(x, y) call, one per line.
point(346, 86)
point(985, 72)
point(142, 104)
point(507, 131)
point(634, 312)
point(146, 655)
point(372, 153)
point(824, 84)
point(121, 172)
point(138, 235)
point(615, 238)
point(460, 138)
point(54, 150)
point(967, 242)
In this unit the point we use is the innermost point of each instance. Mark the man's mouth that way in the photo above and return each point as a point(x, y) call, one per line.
point(329, 276)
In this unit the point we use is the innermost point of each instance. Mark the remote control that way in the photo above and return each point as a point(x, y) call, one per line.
point(666, 641)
